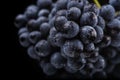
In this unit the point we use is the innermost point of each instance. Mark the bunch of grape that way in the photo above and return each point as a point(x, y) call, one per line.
point(72, 36)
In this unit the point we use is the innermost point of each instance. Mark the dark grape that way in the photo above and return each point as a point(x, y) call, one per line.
point(31, 11)
point(32, 54)
point(70, 29)
point(57, 60)
point(43, 12)
point(91, 8)
point(88, 34)
point(42, 48)
point(73, 13)
point(72, 48)
point(23, 38)
point(20, 21)
point(22, 30)
point(59, 22)
point(34, 36)
point(89, 18)
point(44, 4)
point(44, 29)
point(107, 12)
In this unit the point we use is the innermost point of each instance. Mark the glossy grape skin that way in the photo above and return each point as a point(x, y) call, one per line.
point(51, 21)
point(44, 29)
point(42, 48)
point(77, 3)
point(76, 64)
point(72, 48)
point(105, 42)
point(91, 8)
point(70, 29)
point(41, 20)
point(114, 27)
point(61, 4)
point(32, 25)
point(88, 18)
point(100, 64)
point(88, 34)
point(43, 12)
point(88, 70)
point(101, 22)
point(90, 47)
point(23, 38)
point(34, 36)
point(56, 39)
point(32, 54)
point(62, 13)
point(59, 22)
point(22, 30)
point(31, 12)
point(44, 4)
point(57, 60)
point(107, 12)
point(100, 34)
point(115, 42)
point(20, 21)
point(73, 13)
point(92, 57)
point(53, 12)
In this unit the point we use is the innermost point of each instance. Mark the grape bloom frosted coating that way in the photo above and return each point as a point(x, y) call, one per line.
point(71, 37)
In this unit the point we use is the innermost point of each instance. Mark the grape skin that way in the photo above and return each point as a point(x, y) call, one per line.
point(72, 36)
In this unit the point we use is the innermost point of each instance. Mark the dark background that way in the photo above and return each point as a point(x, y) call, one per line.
point(19, 65)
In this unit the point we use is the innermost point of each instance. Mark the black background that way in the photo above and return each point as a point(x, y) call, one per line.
point(19, 65)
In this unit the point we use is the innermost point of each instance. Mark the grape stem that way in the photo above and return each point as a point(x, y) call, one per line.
point(97, 3)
